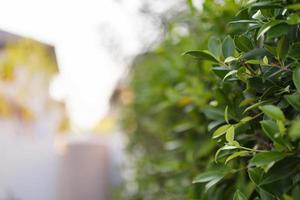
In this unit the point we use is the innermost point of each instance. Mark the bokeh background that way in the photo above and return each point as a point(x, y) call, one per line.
point(64, 68)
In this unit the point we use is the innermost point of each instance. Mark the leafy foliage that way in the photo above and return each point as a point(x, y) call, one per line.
point(263, 88)
point(243, 93)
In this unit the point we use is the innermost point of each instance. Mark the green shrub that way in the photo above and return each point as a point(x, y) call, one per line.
point(259, 93)
point(226, 125)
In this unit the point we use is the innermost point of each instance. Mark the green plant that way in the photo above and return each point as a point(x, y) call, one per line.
point(167, 120)
point(259, 93)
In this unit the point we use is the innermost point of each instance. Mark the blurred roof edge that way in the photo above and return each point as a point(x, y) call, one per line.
point(6, 37)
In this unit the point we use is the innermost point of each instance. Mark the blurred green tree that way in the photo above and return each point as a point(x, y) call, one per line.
point(168, 116)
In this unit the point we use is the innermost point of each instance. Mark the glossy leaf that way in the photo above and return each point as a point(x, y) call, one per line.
point(257, 53)
point(221, 130)
point(243, 43)
point(265, 158)
point(202, 55)
point(228, 47)
point(293, 100)
point(282, 48)
point(209, 176)
point(256, 105)
point(270, 129)
point(224, 148)
point(235, 155)
point(215, 46)
point(229, 74)
point(244, 22)
point(273, 112)
point(266, 27)
point(230, 59)
point(278, 30)
point(230, 134)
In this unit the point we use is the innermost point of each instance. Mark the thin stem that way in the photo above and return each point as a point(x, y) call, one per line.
point(282, 67)
point(253, 150)
point(250, 69)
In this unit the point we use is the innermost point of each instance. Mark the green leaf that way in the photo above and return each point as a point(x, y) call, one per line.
point(282, 48)
point(257, 53)
point(214, 46)
point(281, 170)
point(265, 158)
point(255, 175)
point(230, 135)
point(270, 49)
point(266, 27)
point(209, 176)
point(254, 62)
point(213, 113)
point(265, 195)
point(202, 55)
point(256, 105)
point(229, 74)
point(296, 78)
point(230, 59)
point(220, 71)
point(228, 47)
point(244, 22)
point(226, 114)
point(236, 154)
point(243, 43)
point(293, 100)
point(278, 30)
point(294, 131)
point(238, 195)
point(221, 131)
point(224, 148)
point(246, 119)
point(258, 15)
point(265, 60)
point(270, 129)
point(294, 51)
point(281, 127)
point(247, 101)
point(273, 112)
point(241, 74)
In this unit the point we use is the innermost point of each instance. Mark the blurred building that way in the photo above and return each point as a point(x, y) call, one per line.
point(29, 119)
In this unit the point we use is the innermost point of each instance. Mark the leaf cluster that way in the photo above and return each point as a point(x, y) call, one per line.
point(259, 94)
point(221, 122)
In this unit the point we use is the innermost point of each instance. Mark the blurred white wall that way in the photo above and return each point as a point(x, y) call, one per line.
point(28, 168)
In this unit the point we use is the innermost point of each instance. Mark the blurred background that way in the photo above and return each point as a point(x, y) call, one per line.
point(64, 71)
